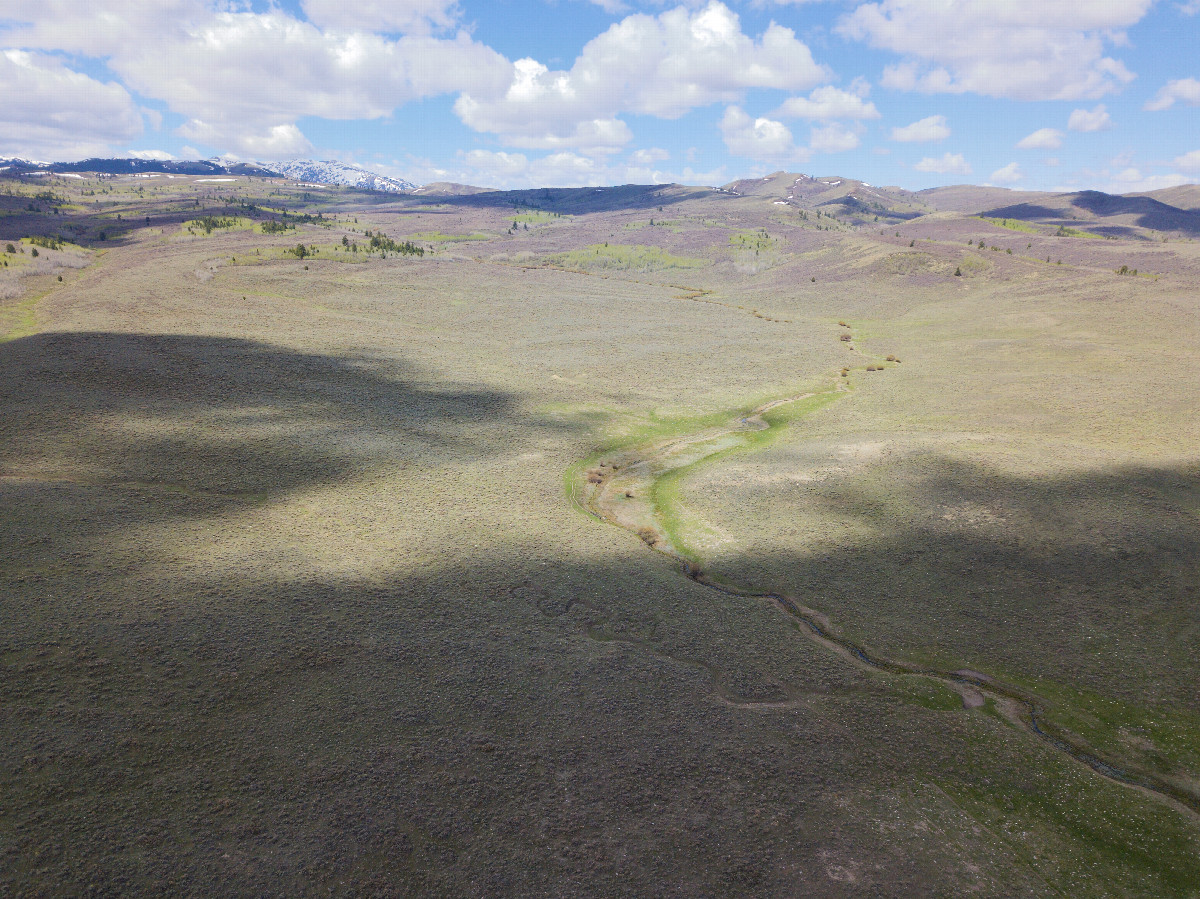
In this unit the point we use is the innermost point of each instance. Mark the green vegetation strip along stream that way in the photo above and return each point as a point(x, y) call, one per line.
point(633, 486)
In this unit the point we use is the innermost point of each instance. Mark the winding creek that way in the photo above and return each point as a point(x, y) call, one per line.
point(620, 488)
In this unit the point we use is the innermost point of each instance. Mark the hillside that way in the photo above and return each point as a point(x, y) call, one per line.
point(601, 542)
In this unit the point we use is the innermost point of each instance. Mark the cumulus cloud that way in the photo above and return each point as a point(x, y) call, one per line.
point(1131, 180)
point(760, 138)
point(946, 164)
point(1042, 139)
point(408, 16)
point(1009, 174)
point(1021, 49)
point(497, 168)
point(661, 65)
point(1185, 89)
point(829, 102)
point(52, 112)
point(834, 138)
point(649, 155)
point(275, 142)
point(99, 28)
point(931, 128)
point(1096, 119)
point(242, 80)
point(151, 155)
point(1189, 162)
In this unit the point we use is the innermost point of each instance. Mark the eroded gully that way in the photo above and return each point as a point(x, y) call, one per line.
point(619, 488)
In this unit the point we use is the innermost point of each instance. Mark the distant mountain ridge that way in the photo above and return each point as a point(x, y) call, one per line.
point(1151, 214)
point(341, 174)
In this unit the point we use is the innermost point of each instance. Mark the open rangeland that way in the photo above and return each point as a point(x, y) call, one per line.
point(795, 539)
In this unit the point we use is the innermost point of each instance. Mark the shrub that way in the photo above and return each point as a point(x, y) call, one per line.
point(10, 249)
point(843, 324)
point(846, 337)
point(958, 272)
point(35, 252)
point(891, 358)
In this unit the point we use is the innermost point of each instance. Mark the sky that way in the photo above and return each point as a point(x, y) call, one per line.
point(1026, 94)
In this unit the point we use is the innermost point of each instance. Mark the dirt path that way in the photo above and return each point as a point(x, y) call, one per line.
point(620, 489)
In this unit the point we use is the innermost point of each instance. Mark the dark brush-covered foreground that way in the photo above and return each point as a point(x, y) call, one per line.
point(297, 595)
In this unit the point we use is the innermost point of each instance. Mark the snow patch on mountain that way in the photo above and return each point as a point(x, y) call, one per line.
point(340, 173)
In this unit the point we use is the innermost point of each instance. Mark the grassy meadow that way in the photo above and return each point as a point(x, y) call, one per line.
point(298, 597)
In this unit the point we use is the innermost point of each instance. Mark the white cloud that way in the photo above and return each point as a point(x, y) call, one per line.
point(1190, 8)
point(947, 164)
point(98, 28)
point(1185, 89)
point(1022, 49)
point(491, 168)
point(151, 116)
point(760, 138)
point(1009, 174)
point(52, 112)
point(833, 138)
point(661, 65)
point(1042, 139)
point(1131, 180)
point(649, 155)
point(932, 128)
point(275, 142)
point(152, 155)
point(1096, 119)
point(1189, 162)
point(408, 16)
point(241, 80)
point(829, 102)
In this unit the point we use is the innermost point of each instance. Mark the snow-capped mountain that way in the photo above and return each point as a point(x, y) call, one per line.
point(340, 173)
point(317, 172)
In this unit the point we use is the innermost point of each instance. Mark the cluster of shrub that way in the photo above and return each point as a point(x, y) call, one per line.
point(211, 222)
point(383, 243)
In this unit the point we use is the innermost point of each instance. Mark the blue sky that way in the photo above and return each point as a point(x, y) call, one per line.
point(1035, 94)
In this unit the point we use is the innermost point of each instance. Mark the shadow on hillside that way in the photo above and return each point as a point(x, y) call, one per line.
point(1146, 212)
point(513, 720)
point(1067, 578)
point(224, 418)
point(581, 200)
